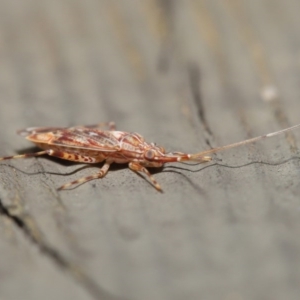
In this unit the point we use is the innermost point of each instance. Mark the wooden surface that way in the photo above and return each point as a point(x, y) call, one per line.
point(188, 75)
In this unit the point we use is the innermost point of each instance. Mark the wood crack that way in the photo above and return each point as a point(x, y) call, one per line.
point(27, 225)
point(194, 81)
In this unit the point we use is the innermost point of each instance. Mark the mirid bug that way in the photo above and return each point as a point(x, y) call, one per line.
point(91, 144)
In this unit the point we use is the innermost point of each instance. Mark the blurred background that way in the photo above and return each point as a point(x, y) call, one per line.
point(189, 75)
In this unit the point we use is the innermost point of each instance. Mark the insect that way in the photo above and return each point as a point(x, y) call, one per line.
point(91, 144)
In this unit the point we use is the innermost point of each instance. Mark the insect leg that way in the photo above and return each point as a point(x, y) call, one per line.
point(26, 155)
point(101, 173)
point(111, 125)
point(136, 167)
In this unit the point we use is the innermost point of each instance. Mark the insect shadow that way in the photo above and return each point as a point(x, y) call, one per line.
point(163, 169)
point(187, 179)
point(66, 163)
point(232, 167)
point(114, 167)
point(178, 169)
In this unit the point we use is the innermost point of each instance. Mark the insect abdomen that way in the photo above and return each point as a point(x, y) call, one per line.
point(78, 155)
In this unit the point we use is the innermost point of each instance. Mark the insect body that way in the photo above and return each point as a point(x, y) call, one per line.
point(91, 144)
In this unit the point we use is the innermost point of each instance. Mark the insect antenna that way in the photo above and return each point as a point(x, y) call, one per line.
point(198, 156)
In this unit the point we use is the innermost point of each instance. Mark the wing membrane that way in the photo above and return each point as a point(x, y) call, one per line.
point(78, 137)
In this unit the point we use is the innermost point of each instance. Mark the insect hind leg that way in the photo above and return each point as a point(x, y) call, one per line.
point(26, 155)
point(100, 174)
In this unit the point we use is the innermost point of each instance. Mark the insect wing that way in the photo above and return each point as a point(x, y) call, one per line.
point(34, 130)
point(77, 138)
point(86, 138)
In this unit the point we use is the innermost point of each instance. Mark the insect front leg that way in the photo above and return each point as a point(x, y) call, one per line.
point(101, 173)
point(136, 167)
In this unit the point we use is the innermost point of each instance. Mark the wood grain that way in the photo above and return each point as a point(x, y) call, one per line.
point(188, 75)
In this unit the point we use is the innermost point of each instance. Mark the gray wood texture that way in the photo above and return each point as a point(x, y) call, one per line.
point(188, 75)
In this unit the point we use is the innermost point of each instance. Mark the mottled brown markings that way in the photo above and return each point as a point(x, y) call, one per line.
point(90, 144)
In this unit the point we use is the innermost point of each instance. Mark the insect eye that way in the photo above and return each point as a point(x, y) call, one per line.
point(149, 154)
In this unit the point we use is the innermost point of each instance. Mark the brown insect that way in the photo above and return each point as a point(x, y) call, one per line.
point(91, 144)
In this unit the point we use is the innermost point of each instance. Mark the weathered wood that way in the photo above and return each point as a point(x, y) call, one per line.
point(188, 75)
